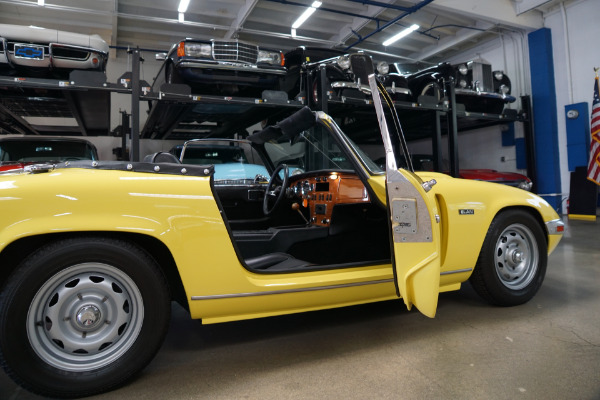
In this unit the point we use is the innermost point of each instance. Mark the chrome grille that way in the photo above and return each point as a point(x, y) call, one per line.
point(235, 52)
point(482, 73)
point(362, 67)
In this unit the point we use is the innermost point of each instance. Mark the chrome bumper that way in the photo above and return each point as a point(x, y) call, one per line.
point(230, 67)
point(555, 227)
point(505, 97)
point(366, 88)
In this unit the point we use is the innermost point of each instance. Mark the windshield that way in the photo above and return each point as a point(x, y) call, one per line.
point(46, 150)
point(234, 160)
point(316, 149)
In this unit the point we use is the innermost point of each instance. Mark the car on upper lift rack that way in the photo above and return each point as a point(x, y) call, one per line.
point(221, 67)
point(477, 87)
point(304, 64)
point(40, 52)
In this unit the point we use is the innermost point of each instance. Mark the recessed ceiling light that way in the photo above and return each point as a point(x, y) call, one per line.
point(400, 35)
point(306, 14)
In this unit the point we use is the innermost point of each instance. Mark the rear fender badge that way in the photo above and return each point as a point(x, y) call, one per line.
point(466, 211)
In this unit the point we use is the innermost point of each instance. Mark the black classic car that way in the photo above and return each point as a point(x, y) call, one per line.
point(221, 67)
point(478, 88)
point(304, 68)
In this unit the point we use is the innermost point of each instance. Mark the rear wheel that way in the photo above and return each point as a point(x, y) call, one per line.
point(512, 263)
point(82, 316)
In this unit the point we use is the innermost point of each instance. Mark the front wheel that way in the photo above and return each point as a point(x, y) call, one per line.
point(512, 262)
point(82, 316)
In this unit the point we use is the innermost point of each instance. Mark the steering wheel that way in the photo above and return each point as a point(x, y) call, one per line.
point(274, 191)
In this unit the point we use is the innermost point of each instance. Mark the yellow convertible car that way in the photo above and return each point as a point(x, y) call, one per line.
point(92, 253)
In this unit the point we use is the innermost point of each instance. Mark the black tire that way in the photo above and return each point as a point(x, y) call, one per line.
point(172, 76)
point(81, 316)
point(512, 262)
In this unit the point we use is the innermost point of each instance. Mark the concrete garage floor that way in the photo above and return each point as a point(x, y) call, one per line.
point(546, 349)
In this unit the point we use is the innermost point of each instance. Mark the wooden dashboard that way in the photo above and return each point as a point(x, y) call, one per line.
point(321, 193)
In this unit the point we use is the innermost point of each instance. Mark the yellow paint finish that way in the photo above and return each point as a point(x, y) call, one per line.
point(230, 309)
point(177, 210)
point(553, 241)
point(582, 217)
point(377, 183)
point(463, 235)
point(302, 285)
point(180, 211)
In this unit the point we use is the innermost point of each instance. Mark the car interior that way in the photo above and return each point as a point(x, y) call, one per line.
point(313, 213)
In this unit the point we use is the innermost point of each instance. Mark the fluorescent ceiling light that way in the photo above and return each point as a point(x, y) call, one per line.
point(307, 13)
point(183, 6)
point(181, 17)
point(41, 2)
point(400, 35)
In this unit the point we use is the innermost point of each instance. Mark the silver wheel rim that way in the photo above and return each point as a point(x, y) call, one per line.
point(85, 317)
point(516, 257)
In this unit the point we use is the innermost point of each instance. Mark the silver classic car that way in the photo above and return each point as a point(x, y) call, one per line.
point(31, 50)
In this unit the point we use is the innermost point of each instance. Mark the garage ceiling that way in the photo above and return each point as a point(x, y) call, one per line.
point(446, 26)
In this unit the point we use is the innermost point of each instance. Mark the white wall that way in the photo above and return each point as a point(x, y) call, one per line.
point(579, 51)
point(482, 148)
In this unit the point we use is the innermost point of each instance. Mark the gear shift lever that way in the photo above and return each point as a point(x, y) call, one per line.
point(296, 207)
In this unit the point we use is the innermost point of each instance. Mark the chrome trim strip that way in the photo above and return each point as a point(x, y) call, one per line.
point(458, 271)
point(5, 59)
point(232, 67)
point(75, 47)
point(366, 88)
point(238, 295)
point(552, 227)
point(469, 92)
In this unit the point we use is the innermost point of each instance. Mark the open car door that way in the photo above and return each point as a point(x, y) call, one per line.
point(414, 222)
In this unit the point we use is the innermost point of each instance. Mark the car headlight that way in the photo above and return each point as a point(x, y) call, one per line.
point(198, 50)
point(343, 62)
point(383, 68)
point(270, 57)
point(504, 89)
point(462, 68)
point(526, 185)
point(498, 75)
point(462, 83)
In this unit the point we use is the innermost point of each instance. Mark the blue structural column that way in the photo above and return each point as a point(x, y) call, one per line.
point(545, 124)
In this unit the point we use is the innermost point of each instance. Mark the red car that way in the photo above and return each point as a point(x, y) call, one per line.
point(11, 166)
point(424, 162)
point(16, 152)
point(491, 175)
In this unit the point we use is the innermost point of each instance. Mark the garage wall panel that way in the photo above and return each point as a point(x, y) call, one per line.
point(575, 41)
point(578, 134)
point(543, 95)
